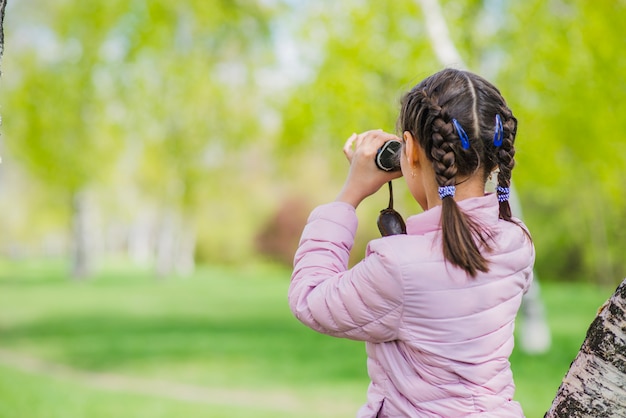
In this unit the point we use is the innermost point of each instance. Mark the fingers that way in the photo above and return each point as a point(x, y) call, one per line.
point(366, 143)
point(347, 148)
point(374, 139)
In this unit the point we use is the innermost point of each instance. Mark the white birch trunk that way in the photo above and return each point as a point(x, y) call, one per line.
point(142, 238)
point(185, 256)
point(3, 4)
point(176, 246)
point(535, 337)
point(437, 29)
point(166, 245)
point(83, 236)
point(595, 385)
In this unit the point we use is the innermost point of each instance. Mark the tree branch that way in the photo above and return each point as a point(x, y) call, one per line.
point(439, 35)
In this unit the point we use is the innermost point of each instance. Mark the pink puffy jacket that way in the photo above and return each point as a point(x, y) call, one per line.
point(438, 341)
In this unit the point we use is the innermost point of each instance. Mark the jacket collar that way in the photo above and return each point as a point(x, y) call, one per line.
point(484, 209)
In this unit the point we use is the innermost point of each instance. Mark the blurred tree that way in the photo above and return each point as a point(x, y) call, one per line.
point(3, 4)
point(56, 125)
point(146, 89)
point(358, 59)
point(190, 90)
point(570, 99)
point(185, 125)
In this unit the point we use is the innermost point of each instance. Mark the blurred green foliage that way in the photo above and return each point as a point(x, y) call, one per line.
point(219, 111)
point(572, 159)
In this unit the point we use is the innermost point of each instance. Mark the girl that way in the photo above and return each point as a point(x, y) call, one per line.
point(436, 307)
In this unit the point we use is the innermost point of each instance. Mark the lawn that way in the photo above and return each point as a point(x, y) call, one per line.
point(219, 344)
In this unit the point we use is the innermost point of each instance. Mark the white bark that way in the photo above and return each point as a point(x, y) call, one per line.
point(176, 246)
point(595, 385)
point(83, 236)
point(185, 259)
point(535, 336)
point(141, 238)
point(437, 29)
point(3, 4)
point(165, 246)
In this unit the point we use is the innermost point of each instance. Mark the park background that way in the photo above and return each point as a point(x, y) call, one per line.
point(159, 158)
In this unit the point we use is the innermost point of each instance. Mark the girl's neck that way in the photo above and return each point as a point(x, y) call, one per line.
point(472, 186)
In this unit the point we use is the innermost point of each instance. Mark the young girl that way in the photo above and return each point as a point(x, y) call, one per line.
point(436, 307)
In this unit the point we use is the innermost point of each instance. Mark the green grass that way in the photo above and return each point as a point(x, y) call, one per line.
point(27, 395)
point(570, 309)
point(224, 329)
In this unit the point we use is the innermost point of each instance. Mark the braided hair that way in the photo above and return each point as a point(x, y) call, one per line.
point(452, 114)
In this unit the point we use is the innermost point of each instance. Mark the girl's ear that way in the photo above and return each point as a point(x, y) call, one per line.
point(410, 148)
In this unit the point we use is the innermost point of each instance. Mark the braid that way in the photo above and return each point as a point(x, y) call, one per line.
point(459, 231)
point(505, 158)
point(442, 153)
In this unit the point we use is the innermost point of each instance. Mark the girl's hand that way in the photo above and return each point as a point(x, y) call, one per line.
point(364, 177)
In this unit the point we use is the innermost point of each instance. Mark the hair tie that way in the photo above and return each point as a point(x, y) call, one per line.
point(498, 133)
point(445, 191)
point(503, 193)
point(461, 133)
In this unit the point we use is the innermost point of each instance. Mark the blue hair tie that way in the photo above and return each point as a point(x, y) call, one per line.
point(461, 133)
point(498, 133)
point(503, 193)
point(445, 191)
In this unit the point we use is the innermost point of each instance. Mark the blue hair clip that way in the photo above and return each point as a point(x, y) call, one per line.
point(503, 193)
point(445, 191)
point(461, 133)
point(498, 133)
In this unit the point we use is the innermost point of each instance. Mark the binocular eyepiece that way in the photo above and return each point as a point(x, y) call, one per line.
point(388, 156)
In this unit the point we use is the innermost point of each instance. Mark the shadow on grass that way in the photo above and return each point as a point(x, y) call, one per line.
point(279, 350)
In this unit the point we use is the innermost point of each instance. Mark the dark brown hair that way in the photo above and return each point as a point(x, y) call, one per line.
point(427, 112)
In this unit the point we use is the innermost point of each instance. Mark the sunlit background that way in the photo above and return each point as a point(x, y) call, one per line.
point(160, 157)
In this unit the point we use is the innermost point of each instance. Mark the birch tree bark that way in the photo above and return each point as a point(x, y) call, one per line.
point(439, 36)
point(83, 236)
point(595, 385)
point(3, 4)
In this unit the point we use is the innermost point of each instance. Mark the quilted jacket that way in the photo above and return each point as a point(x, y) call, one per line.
point(438, 341)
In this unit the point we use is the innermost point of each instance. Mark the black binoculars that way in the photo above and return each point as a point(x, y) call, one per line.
point(388, 156)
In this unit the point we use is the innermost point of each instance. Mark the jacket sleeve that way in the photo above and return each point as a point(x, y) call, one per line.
point(363, 303)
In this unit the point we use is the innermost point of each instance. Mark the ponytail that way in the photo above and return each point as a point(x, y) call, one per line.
point(459, 239)
point(460, 232)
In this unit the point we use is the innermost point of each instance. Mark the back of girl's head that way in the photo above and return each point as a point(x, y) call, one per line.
point(465, 127)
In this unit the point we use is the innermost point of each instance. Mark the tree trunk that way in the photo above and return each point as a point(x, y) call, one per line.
point(83, 234)
point(166, 245)
point(3, 4)
point(185, 257)
point(176, 246)
point(437, 30)
point(534, 335)
point(595, 385)
point(142, 236)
